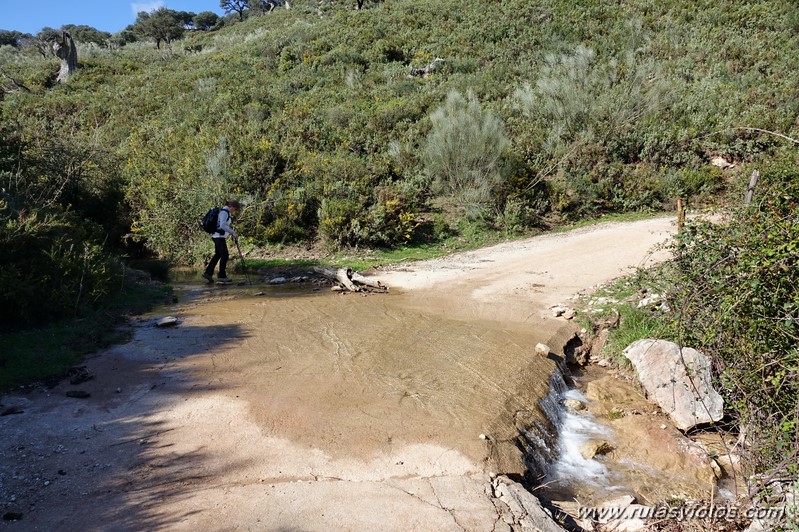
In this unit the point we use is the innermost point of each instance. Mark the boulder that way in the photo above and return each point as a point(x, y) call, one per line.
point(168, 321)
point(521, 509)
point(678, 380)
point(574, 405)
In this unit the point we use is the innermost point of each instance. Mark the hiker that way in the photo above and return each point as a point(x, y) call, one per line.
point(220, 243)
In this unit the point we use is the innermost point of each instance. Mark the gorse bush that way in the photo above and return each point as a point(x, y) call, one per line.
point(465, 149)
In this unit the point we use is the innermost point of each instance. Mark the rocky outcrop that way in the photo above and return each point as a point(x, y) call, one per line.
point(678, 379)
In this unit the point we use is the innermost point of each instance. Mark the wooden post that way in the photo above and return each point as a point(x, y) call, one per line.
point(750, 190)
point(680, 214)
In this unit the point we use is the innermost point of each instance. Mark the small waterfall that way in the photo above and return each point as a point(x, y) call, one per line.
point(554, 453)
point(576, 430)
point(542, 438)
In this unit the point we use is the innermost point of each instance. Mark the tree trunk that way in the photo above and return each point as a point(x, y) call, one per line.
point(65, 50)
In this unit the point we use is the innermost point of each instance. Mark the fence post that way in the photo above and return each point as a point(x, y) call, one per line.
point(680, 214)
point(750, 190)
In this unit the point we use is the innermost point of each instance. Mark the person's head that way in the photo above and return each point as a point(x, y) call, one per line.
point(233, 205)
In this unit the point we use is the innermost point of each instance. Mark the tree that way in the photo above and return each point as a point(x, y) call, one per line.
point(239, 6)
point(264, 6)
point(205, 20)
point(161, 25)
point(128, 35)
point(11, 38)
point(43, 41)
point(87, 34)
point(186, 18)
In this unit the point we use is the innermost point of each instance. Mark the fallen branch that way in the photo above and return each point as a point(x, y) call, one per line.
point(346, 278)
point(361, 279)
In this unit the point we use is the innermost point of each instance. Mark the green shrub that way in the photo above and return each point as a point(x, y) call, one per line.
point(54, 266)
point(464, 152)
point(737, 293)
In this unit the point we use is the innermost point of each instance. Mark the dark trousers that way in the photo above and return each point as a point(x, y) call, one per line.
point(220, 255)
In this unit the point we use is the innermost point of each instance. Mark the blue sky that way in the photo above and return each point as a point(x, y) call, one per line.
point(30, 16)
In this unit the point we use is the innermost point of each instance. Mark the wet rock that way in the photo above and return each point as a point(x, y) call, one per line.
point(574, 405)
point(277, 280)
point(11, 410)
point(169, 321)
point(717, 471)
point(78, 394)
point(730, 464)
point(678, 380)
point(12, 516)
point(575, 351)
point(542, 349)
point(592, 448)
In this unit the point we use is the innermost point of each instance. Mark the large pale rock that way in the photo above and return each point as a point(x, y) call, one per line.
point(521, 509)
point(679, 383)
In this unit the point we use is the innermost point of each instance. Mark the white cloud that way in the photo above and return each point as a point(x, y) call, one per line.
point(148, 7)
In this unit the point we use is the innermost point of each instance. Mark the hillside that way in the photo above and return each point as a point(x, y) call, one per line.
point(314, 118)
point(407, 123)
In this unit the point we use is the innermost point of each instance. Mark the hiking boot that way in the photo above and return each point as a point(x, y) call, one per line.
point(224, 280)
point(208, 277)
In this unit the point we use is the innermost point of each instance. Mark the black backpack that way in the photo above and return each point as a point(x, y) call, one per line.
point(210, 221)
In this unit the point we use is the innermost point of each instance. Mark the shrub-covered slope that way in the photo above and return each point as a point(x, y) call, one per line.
point(384, 125)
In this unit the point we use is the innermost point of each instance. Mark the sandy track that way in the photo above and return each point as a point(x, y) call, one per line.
point(298, 411)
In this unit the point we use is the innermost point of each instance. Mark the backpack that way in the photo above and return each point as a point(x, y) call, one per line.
point(210, 221)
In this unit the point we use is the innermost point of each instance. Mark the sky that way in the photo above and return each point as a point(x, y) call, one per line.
point(105, 15)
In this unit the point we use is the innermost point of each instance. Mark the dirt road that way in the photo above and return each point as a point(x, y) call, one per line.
point(272, 408)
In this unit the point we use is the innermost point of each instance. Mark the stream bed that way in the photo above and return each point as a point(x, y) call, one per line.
point(361, 375)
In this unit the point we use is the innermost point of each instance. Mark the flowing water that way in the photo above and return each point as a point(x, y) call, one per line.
point(361, 376)
point(640, 455)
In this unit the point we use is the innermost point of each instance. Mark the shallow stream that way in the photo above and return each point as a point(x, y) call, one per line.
point(357, 376)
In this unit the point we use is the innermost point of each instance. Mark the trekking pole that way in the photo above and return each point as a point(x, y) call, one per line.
point(243, 264)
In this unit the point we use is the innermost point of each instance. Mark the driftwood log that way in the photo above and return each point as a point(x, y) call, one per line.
point(349, 280)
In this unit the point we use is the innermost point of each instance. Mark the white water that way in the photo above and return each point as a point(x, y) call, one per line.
point(577, 429)
point(568, 472)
